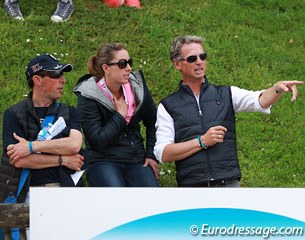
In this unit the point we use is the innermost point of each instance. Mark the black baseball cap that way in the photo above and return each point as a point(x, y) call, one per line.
point(46, 62)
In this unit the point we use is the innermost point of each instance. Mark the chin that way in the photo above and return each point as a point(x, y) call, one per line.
point(125, 80)
point(200, 76)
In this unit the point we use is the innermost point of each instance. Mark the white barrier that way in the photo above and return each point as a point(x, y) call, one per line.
point(166, 213)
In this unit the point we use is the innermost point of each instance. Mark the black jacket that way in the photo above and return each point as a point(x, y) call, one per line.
point(108, 137)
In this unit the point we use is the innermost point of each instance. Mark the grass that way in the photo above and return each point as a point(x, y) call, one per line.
point(250, 44)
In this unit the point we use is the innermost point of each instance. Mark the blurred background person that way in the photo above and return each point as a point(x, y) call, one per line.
point(62, 13)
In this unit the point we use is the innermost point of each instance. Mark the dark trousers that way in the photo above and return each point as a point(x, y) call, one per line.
point(108, 174)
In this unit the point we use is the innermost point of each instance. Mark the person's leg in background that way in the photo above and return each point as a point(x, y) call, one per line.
point(63, 11)
point(11, 7)
point(133, 3)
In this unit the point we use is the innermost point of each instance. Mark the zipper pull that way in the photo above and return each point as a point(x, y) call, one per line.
point(200, 113)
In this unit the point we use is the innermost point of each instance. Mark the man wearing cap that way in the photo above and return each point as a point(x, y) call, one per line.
point(51, 161)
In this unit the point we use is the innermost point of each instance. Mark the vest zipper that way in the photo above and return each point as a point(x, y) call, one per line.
point(199, 108)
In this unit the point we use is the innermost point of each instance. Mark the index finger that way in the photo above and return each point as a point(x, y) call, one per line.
point(156, 172)
point(9, 147)
point(221, 128)
point(293, 82)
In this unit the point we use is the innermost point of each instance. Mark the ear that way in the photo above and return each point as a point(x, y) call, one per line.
point(37, 80)
point(105, 68)
point(177, 64)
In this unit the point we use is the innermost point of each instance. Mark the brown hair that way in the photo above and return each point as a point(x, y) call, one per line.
point(104, 55)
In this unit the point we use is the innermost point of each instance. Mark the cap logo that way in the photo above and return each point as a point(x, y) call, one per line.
point(57, 66)
point(36, 67)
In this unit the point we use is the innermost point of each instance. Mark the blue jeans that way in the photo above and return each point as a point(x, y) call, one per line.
point(108, 174)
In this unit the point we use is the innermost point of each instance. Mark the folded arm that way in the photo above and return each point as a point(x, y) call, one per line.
point(62, 146)
point(40, 161)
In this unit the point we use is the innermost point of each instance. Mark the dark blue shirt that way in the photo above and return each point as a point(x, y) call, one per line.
point(11, 125)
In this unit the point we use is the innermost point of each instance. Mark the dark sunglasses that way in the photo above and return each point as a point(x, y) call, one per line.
point(122, 63)
point(193, 58)
point(51, 74)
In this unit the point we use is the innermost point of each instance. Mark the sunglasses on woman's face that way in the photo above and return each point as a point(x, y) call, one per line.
point(193, 58)
point(122, 63)
point(51, 74)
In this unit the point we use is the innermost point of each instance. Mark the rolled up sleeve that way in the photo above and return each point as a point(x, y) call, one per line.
point(247, 101)
point(165, 132)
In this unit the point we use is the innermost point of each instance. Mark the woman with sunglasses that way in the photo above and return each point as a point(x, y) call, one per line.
point(113, 101)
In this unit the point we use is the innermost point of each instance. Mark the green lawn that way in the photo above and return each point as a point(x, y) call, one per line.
point(250, 44)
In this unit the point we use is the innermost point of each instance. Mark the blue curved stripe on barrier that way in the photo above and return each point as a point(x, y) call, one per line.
point(193, 224)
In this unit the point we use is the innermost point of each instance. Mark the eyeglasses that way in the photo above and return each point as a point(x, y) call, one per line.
point(193, 58)
point(51, 74)
point(122, 63)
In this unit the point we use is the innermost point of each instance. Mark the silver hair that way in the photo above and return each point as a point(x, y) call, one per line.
point(175, 51)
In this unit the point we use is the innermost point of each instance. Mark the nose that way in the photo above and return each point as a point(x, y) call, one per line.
point(128, 67)
point(63, 79)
